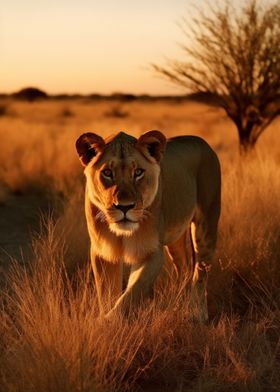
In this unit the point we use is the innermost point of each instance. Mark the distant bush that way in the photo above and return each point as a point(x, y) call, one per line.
point(116, 112)
point(123, 97)
point(205, 97)
point(30, 94)
point(96, 96)
point(66, 112)
point(3, 110)
point(6, 110)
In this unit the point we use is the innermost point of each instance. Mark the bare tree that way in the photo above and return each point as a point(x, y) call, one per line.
point(234, 55)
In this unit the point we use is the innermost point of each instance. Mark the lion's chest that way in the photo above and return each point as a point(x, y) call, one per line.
point(131, 250)
point(138, 247)
point(108, 248)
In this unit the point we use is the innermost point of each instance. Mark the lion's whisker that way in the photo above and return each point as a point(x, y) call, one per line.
point(100, 216)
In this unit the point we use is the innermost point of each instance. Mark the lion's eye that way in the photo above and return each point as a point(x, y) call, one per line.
point(138, 173)
point(107, 173)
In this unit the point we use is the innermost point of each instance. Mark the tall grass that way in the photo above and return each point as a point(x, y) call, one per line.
point(249, 246)
point(53, 340)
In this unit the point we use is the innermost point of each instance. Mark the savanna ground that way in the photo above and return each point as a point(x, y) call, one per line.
point(51, 338)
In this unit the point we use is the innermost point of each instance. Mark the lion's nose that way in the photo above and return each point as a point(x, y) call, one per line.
point(124, 208)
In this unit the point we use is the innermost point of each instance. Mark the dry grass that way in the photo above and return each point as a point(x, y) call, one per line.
point(52, 339)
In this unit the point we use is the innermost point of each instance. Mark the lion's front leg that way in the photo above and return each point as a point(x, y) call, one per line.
point(140, 282)
point(108, 281)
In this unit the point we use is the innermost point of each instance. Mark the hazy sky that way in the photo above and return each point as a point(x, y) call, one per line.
point(88, 46)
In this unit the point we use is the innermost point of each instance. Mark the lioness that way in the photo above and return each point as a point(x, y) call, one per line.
point(142, 195)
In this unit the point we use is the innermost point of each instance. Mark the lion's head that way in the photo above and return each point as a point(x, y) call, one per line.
point(122, 176)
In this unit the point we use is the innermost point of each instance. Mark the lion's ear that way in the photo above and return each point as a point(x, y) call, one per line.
point(88, 145)
point(152, 144)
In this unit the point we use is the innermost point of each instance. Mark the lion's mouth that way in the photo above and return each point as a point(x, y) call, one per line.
point(124, 227)
point(125, 220)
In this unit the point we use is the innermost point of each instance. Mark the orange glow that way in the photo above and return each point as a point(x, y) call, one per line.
point(88, 46)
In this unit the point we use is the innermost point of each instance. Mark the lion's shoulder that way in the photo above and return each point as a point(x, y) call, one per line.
point(188, 151)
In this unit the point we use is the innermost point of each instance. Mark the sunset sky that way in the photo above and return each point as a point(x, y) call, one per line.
point(86, 46)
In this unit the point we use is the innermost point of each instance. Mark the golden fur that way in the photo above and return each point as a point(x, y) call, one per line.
point(141, 196)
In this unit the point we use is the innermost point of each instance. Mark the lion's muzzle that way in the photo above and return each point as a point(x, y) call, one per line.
point(125, 218)
point(125, 213)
